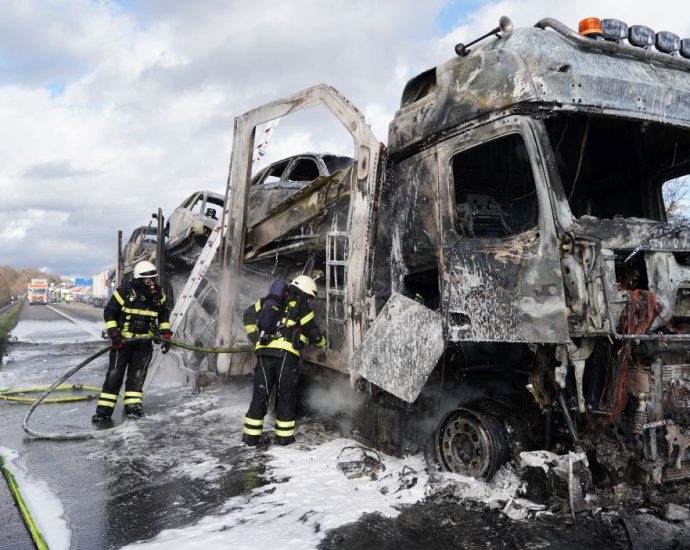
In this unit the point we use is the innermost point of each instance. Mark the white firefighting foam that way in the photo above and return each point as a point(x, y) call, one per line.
point(56, 332)
point(310, 497)
point(307, 493)
point(45, 508)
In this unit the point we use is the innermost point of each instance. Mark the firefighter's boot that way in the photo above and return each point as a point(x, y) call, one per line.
point(98, 417)
point(251, 440)
point(285, 440)
point(134, 411)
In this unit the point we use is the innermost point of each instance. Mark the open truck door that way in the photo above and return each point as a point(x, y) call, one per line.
point(359, 232)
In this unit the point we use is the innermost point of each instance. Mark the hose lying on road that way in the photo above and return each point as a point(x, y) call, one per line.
point(23, 508)
point(94, 434)
point(9, 394)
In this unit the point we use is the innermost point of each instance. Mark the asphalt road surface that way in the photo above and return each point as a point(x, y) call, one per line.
point(77, 310)
point(110, 497)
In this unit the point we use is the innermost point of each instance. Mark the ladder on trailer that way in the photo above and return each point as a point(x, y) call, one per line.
point(188, 294)
point(336, 260)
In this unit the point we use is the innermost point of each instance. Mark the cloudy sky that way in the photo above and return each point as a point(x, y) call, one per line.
point(110, 109)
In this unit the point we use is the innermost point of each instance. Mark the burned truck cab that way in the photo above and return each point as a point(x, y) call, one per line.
point(532, 201)
point(512, 271)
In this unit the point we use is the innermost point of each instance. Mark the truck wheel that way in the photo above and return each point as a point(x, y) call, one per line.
point(471, 444)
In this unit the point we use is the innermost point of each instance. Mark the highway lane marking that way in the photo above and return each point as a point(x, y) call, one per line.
point(90, 330)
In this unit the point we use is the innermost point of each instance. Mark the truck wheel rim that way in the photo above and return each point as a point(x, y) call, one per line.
point(465, 446)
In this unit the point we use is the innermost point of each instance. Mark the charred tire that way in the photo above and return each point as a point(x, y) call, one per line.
point(471, 444)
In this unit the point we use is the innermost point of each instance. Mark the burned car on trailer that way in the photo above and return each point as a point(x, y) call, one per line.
point(190, 224)
point(503, 276)
point(286, 219)
point(277, 189)
point(142, 245)
point(272, 188)
point(282, 179)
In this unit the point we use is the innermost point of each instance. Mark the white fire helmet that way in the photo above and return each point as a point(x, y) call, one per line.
point(305, 284)
point(145, 270)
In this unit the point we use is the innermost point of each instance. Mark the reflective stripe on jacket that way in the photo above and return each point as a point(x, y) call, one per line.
point(136, 313)
point(297, 327)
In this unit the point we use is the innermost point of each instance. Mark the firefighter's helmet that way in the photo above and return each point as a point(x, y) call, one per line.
point(145, 270)
point(305, 284)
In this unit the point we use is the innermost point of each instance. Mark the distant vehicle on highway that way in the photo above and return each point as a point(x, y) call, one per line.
point(67, 296)
point(38, 291)
point(101, 290)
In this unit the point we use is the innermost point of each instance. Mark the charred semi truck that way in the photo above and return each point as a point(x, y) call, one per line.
point(503, 275)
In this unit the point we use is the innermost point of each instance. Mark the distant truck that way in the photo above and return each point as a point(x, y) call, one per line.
point(101, 288)
point(38, 291)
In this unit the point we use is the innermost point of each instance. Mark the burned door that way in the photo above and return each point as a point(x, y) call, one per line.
point(500, 273)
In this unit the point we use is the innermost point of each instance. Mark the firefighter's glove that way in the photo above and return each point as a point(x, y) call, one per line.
point(297, 341)
point(115, 339)
point(165, 344)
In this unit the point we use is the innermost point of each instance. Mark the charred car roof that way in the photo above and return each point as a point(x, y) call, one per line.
point(327, 163)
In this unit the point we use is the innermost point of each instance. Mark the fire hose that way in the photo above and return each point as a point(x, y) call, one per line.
point(92, 435)
point(9, 394)
point(36, 536)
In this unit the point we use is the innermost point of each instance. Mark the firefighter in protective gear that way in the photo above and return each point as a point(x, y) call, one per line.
point(277, 358)
point(138, 308)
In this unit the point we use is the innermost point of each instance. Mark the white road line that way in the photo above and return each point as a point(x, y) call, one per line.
point(89, 329)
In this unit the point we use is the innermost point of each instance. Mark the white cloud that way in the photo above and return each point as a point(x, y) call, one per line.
point(107, 112)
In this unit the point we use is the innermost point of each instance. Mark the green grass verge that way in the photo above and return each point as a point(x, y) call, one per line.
point(8, 320)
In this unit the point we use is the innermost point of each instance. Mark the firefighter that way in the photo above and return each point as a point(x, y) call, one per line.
point(133, 311)
point(277, 357)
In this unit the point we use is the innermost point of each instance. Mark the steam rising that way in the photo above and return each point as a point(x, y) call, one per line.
point(333, 399)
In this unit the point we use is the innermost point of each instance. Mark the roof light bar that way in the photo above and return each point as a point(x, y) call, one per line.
point(591, 26)
point(614, 29)
point(641, 36)
point(667, 42)
point(645, 38)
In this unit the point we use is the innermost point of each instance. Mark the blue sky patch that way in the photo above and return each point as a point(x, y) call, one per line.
point(56, 88)
point(455, 13)
point(124, 4)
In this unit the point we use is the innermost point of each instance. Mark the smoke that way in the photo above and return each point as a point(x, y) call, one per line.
point(332, 399)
